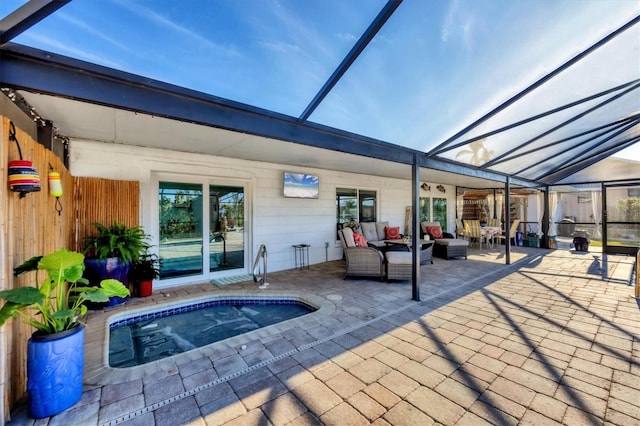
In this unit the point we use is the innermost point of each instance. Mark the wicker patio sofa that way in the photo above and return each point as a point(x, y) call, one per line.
point(361, 261)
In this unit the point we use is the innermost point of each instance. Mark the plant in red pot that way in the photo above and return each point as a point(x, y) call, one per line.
point(55, 351)
point(142, 272)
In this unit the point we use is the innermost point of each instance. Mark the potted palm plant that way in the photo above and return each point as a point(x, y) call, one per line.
point(111, 251)
point(143, 271)
point(55, 307)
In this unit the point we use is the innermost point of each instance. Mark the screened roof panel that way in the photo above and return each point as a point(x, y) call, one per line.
point(8, 6)
point(273, 55)
point(566, 132)
point(608, 67)
point(528, 138)
point(439, 77)
point(535, 164)
point(434, 68)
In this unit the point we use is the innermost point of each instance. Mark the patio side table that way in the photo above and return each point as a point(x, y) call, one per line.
point(302, 255)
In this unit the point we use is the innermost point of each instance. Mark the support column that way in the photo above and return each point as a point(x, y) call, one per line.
point(507, 220)
point(545, 218)
point(415, 229)
point(604, 221)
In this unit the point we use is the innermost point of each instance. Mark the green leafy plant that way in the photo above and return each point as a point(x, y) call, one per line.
point(117, 240)
point(58, 300)
point(145, 268)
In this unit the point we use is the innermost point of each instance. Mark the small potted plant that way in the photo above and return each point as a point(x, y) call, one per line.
point(143, 271)
point(111, 251)
point(55, 351)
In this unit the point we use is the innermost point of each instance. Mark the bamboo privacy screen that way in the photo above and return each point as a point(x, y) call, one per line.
point(105, 201)
point(31, 226)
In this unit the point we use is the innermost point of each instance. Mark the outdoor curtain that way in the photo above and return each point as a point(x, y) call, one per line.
point(540, 213)
point(553, 208)
point(499, 200)
point(459, 206)
point(596, 205)
point(490, 204)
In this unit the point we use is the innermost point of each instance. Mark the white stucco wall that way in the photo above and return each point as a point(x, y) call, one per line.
point(271, 219)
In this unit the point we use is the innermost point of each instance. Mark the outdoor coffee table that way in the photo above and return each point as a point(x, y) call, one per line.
point(426, 247)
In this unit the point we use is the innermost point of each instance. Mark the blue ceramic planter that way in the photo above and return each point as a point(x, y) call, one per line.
point(55, 364)
point(97, 270)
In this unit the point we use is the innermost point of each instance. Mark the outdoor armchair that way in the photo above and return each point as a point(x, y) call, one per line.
point(361, 261)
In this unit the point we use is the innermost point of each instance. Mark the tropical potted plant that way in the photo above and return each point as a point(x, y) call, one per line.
point(55, 307)
point(111, 251)
point(142, 272)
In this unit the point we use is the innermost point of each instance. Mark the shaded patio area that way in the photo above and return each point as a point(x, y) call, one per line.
point(550, 339)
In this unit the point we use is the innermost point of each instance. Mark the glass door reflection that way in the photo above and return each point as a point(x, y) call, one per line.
point(181, 229)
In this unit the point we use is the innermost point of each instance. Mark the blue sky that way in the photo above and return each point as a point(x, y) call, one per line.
point(435, 67)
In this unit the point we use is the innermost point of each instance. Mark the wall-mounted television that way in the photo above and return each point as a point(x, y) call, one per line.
point(300, 185)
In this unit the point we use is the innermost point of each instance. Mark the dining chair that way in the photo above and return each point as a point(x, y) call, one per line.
point(512, 232)
point(496, 224)
point(472, 231)
point(493, 222)
point(459, 228)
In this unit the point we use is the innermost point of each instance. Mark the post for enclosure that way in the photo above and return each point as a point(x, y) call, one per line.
point(638, 273)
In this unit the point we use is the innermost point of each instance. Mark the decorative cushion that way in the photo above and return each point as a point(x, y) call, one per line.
point(359, 239)
point(369, 231)
point(434, 232)
point(391, 232)
point(347, 234)
point(380, 230)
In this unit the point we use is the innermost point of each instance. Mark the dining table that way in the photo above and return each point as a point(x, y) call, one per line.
point(488, 232)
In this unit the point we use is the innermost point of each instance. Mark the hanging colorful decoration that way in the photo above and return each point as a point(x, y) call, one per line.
point(55, 187)
point(23, 178)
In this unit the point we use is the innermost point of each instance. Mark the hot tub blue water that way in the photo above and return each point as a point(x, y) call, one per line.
point(156, 335)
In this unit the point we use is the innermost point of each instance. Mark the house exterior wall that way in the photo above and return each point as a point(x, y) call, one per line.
point(271, 219)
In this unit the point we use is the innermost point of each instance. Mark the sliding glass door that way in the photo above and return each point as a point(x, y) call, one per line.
point(226, 228)
point(197, 237)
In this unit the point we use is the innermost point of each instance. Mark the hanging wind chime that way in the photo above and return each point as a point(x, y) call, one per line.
point(23, 178)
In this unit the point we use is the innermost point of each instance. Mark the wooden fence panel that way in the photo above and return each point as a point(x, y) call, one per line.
point(31, 226)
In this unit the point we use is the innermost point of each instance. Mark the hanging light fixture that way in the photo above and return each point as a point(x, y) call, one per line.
point(23, 178)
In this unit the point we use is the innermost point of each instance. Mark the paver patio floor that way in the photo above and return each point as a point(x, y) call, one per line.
point(551, 339)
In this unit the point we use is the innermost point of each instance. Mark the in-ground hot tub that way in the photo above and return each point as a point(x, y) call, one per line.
point(151, 335)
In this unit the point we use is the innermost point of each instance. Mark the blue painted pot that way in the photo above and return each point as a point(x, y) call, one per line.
point(97, 270)
point(55, 364)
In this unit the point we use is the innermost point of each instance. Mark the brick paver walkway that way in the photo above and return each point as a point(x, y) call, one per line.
point(553, 339)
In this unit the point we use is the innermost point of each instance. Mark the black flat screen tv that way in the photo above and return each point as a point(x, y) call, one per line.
point(300, 185)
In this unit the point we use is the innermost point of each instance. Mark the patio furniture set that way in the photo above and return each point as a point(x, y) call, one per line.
point(376, 250)
point(473, 231)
